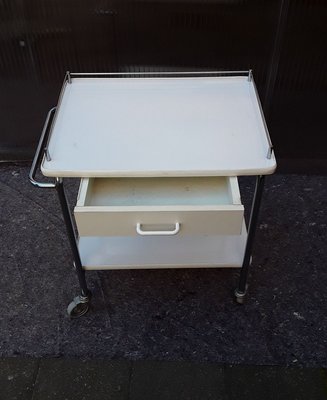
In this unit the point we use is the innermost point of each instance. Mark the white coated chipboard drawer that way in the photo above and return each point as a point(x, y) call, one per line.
point(159, 206)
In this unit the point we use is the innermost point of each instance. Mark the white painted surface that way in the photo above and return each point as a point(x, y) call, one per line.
point(158, 127)
point(140, 231)
point(184, 191)
point(162, 252)
point(209, 205)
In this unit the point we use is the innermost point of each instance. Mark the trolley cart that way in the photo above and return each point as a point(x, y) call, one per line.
point(158, 156)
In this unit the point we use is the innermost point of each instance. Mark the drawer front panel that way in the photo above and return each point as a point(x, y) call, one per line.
point(168, 206)
point(103, 221)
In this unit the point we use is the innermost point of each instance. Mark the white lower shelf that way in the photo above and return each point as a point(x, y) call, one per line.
point(203, 251)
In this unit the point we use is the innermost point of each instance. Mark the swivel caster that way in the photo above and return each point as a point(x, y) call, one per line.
point(240, 296)
point(79, 306)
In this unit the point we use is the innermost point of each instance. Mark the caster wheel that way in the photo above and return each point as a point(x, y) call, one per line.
point(240, 300)
point(240, 296)
point(78, 307)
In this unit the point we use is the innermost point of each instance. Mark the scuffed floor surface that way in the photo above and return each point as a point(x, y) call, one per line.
point(167, 314)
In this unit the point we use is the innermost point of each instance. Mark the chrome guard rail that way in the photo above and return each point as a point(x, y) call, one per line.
point(70, 75)
point(40, 152)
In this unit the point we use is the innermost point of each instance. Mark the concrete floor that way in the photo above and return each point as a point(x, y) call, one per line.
point(179, 315)
point(50, 379)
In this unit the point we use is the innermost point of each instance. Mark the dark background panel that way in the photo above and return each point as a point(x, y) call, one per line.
point(196, 35)
point(283, 42)
point(298, 107)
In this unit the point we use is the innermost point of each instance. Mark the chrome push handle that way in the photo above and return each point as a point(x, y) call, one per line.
point(40, 152)
point(141, 232)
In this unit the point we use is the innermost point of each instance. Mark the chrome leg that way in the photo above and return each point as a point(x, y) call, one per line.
point(240, 292)
point(79, 306)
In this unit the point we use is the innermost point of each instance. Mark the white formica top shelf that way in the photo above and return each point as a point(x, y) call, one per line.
point(139, 127)
point(157, 252)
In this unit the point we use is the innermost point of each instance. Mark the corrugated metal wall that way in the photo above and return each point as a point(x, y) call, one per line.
point(283, 41)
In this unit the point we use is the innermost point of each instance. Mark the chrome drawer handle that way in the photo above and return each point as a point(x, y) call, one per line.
point(157, 233)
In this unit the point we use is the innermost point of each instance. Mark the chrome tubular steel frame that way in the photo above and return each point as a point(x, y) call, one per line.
point(240, 292)
point(42, 151)
point(70, 75)
point(72, 237)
